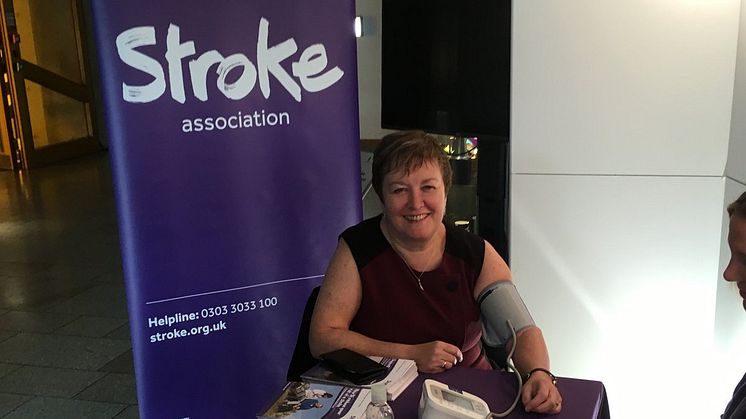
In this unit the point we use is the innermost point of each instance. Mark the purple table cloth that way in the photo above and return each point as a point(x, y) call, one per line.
point(581, 399)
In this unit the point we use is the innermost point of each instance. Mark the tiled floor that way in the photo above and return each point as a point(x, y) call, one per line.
point(64, 338)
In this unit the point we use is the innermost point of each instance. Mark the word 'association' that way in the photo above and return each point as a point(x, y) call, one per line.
point(239, 120)
point(309, 72)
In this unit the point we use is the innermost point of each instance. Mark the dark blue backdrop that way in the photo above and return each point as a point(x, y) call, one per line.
point(228, 214)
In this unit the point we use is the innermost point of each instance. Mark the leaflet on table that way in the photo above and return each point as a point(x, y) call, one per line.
point(401, 373)
point(315, 401)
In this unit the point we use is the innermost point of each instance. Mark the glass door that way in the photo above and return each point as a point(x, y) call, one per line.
point(10, 154)
point(49, 89)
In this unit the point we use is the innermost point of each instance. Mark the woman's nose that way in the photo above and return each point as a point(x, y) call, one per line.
point(415, 199)
point(729, 274)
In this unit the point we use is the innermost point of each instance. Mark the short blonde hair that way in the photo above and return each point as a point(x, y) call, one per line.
point(408, 150)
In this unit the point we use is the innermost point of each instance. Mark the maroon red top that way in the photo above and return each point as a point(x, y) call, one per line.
point(395, 309)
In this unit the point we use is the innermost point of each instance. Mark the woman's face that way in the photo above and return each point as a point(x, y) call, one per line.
point(414, 204)
point(736, 269)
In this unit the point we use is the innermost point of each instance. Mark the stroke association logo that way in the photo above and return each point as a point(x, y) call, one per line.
point(309, 73)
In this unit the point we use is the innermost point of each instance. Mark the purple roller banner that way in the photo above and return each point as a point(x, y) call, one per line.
point(233, 131)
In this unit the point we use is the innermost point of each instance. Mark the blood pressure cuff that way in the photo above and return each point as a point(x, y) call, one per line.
point(498, 303)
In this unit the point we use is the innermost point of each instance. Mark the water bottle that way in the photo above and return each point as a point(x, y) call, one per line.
point(378, 408)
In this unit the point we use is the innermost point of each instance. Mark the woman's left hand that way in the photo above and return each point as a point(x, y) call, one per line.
point(540, 395)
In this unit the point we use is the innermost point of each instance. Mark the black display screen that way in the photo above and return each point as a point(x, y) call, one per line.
point(446, 66)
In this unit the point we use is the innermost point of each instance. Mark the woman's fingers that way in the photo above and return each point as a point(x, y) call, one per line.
point(438, 356)
point(452, 354)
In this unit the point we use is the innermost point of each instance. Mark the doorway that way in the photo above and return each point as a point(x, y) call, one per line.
point(45, 84)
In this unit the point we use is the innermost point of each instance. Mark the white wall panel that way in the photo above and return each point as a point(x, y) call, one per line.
point(621, 273)
point(622, 87)
point(736, 166)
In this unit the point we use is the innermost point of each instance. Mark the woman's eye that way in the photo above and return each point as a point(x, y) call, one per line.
point(428, 187)
point(397, 190)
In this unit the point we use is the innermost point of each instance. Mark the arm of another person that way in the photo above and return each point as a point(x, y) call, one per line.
point(338, 302)
point(539, 393)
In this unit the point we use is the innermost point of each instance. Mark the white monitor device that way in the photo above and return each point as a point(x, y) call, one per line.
point(440, 401)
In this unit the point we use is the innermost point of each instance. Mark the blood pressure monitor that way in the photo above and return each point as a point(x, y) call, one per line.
point(440, 401)
point(503, 314)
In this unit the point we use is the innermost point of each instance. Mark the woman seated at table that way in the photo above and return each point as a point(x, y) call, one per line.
point(404, 284)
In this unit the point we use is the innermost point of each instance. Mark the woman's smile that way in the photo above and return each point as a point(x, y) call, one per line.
point(419, 217)
point(414, 203)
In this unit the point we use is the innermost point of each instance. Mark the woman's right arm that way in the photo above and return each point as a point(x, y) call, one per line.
point(338, 302)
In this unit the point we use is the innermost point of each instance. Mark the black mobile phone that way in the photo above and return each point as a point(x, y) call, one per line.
point(353, 366)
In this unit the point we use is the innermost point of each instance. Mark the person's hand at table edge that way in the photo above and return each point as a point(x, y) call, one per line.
point(540, 393)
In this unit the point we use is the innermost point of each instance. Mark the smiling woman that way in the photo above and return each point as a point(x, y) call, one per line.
point(414, 204)
point(404, 284)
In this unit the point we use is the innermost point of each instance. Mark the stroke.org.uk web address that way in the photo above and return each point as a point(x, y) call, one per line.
point(180, 333)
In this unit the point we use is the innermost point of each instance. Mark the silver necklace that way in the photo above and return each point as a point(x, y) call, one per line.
point(411, 271)
point(409, 268)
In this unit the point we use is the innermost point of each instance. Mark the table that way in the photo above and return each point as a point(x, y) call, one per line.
point(581, 399)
